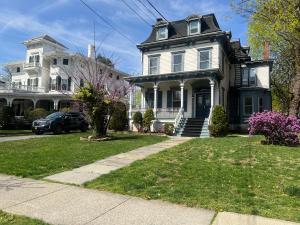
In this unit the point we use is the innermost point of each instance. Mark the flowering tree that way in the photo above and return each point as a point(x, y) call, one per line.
point(276, 127)
point(97, 88)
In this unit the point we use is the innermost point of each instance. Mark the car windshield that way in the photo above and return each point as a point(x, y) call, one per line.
point(55, 115)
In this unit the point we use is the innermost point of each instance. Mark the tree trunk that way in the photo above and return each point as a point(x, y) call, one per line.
point(295, 101)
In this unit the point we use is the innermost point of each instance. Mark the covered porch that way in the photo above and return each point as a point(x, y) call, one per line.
point(176, 96)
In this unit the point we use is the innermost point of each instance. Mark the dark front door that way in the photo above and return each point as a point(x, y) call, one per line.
point(202, 104)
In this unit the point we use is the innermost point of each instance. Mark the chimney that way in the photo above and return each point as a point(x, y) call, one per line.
point(266, 52)
point(91, 51)
point(159, 20)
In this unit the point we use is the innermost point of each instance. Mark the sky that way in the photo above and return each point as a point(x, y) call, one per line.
point(71, 23)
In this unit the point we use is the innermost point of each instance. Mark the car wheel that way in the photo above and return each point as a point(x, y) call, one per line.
point(38, 132)
point(57, 130)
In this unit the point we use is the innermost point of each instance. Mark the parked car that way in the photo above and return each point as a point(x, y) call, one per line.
point(59, 121)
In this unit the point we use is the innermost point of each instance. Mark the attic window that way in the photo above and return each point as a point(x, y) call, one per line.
point(194, 27)
point(162, 33)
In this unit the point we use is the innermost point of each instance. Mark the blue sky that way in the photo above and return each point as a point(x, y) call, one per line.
point(71, 23)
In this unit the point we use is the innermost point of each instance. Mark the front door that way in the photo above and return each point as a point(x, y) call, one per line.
point(202, 104)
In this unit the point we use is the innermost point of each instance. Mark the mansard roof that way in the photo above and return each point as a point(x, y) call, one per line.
point(179, 28)
point(47, 38)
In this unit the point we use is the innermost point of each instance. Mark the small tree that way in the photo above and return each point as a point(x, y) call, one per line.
point(277, 128)
point(119, 121)
point(6, 117)
point(219, 122)
point(148, 117)
point(37, 113)
point(138, 120)
point(169, 128)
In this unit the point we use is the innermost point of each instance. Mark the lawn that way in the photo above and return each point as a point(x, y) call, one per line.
point(9, 219)
point(41, 157)
point(235, 174)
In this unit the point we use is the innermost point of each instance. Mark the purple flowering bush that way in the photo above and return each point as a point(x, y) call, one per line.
point(277, 128)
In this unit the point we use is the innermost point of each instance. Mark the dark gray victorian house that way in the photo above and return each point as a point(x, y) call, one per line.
point(189, 66)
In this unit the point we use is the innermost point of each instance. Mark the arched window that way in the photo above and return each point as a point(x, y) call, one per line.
point(69, 83)
point(58, 83)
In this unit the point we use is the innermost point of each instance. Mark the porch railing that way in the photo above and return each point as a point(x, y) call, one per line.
point(178, 117)
point(161, 113)
point(20, 88)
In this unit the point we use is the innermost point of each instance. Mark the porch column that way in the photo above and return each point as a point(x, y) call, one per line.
point(155, 100)
point(212, 94)
point(130, 102)
point(142, 98)
point(55, 104)
point(181, 95)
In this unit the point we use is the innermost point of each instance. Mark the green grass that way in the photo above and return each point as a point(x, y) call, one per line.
point(225, 174)
point(40, 157)
point(9, 219)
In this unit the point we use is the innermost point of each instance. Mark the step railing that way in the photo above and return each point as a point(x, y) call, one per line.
point(178, 117)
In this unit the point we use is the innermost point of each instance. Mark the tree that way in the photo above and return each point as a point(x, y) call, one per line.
point(96, 90)
point(105, 60)
point(277, 22)
point(138, 120)
point(119, 120)
point(219, 122)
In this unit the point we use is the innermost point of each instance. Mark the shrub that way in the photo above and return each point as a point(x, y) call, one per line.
point(219, 122)
point(148, 117)
point(65, 109)
point(7, 117)
point(169, 128)
point(36, 113)
point(277, 128)
point(119, 121)
point(138, 120)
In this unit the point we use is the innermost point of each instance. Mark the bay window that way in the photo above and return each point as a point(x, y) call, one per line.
point(248, 105)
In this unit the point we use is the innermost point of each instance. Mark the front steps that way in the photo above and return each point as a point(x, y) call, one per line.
point(193, 127)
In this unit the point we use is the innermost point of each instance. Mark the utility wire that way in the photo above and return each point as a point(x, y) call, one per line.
point(133, 10)
point(107, 22)
point(142, 9)
point(157, 10)
point(150, 11)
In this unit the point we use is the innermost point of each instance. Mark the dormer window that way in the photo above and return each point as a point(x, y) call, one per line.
point(162, 33)
point(194, 27)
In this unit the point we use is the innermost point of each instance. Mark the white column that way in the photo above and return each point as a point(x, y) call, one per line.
point(130, 102)
point(155, 100)
point(55, 105)
point(212, 94)
point(142, 98)
point(181, 95)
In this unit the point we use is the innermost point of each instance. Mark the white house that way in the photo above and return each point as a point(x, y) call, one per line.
point(191, 65)
point(41, 79)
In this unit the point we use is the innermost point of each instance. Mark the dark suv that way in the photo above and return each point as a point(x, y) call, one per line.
point(59, 121)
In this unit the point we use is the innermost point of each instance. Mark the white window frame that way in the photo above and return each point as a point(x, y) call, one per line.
point(165, 33)
point(158, 62)
point(182, 62)
point(209, 60)
point(189, 27)
point(244, 105)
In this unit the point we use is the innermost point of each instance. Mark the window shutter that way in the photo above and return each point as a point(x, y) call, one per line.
point(36, 81)
point(28, 82)
point(169, 99)
point(159, 99)
point(50, 81)
point(185, 99)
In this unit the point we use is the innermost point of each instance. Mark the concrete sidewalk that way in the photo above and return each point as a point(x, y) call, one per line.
point(69, 205)
point(23, 137)
point(92, 171)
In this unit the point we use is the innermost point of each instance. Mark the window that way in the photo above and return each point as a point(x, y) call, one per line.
point(69, 83)
point(177, 62)
point(31, 59)
point(176, 98)
point(64, 84)
point(37, 58)
point(153, 65)
point(205, 58)
point(249, 77)
point(252, 77)
point(245, 77)
point(248, 106)
point(65, 61)
point(118, 77)
point(54, 61)
point(260, 104)
point(81, 83)
point(162, 33)
point(58, 83)
point(36, 82)
point(194, 27)
point(18, 69)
